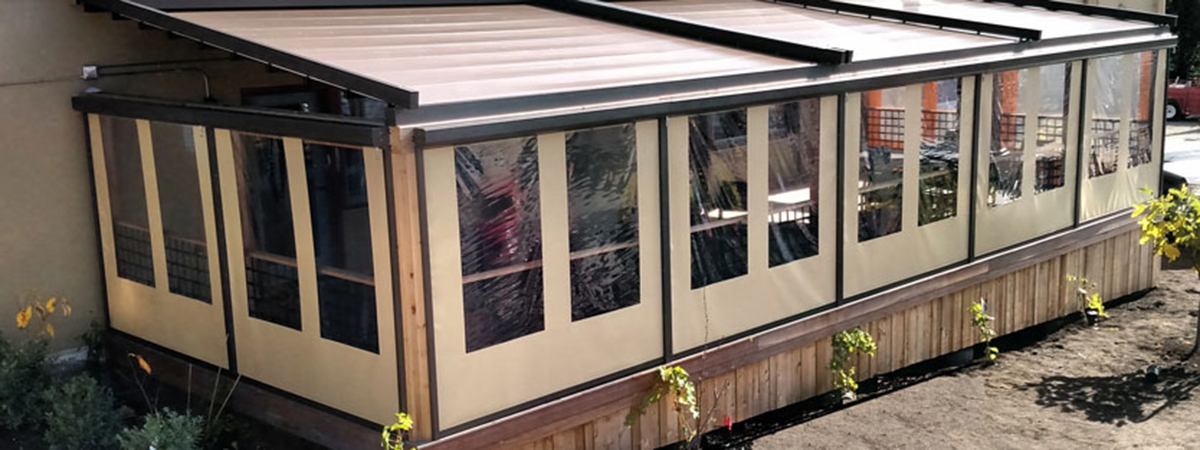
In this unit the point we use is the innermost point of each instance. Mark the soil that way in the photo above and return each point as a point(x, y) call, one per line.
point(1077, 388)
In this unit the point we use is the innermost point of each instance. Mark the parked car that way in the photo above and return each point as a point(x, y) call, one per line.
point(1183, 99)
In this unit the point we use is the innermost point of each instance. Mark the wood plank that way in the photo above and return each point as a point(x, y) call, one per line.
point(808, 371)
point(648, 435)
point(610, 433)
point(821, 366)
point(567, 440)
point(411, 317)
point(883, 345)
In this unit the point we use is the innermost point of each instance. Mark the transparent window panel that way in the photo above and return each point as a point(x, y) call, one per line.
point(127, 198)
point(1141, 125)
point(717, 173)
point(602, 202)
point(941, 105)
point(881, 163)
point(341, 221)
point(1107, 102)
point(1051, 127)
point(500, 239)
point(1010, 99)
point(793, 165)
point(182, 214)
point(267, 232)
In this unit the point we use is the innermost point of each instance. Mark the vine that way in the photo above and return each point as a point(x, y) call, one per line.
point(394, 434)
point(846, 344)
point(675, 383)
point(983, 326)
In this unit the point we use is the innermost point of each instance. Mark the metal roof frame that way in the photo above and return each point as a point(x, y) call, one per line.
point(1094, 10)
point(870, 12)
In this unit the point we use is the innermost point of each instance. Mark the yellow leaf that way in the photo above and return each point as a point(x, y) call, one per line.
point(143, 364)
point(50, 329)
point(1171, 252)
point(1138, 209)
point(50, 305)
point(66, 309)
point(23, 317)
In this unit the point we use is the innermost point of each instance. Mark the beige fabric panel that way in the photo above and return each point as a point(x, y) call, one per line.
point(1031, 215)
point(913, 250)
point(870, 39)
point(565, 353)
point(765, 294)
point(182, 324)
point(446, 53)
point(1116, 191)
point(302, 362)
point(1052, 24)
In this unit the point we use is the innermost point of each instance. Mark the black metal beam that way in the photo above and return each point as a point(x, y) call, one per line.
point(334, 129)
point(395, 95)
point(1094, 10)
point(1024, 34)
point(674, 26)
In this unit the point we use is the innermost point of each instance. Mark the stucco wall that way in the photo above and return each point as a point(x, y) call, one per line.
point(47, 223)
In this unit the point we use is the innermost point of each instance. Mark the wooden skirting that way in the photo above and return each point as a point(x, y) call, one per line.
point(920, 320)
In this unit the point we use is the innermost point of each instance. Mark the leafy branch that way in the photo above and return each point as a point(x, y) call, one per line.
point(846, 344)
point(983, 326)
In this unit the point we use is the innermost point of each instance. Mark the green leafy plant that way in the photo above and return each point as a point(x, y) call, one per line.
point(846, 344)
point(24, 376)
point(983, 327)
point(675, 384)
point(82, 415)
point(394, 434)
point(1086, 296)
point(164, 430)
point(95, 340)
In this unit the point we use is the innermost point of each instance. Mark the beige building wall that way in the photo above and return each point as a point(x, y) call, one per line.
point(48, 237)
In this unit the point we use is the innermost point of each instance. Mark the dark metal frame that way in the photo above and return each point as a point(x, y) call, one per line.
point(1094, 10)
point(632, 17)
point(199, 5)
point(320, 127)
point(150, 17)
point(1024, 34)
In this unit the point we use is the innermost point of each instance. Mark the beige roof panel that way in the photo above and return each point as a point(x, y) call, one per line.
point(1053, 24)
point(458, 54)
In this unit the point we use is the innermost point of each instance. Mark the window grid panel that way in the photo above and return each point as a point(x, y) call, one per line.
point(271, 286)
point(187, 269)
point(135, 261)
point(881, 163)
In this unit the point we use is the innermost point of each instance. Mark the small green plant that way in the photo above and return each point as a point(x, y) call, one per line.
point(983, 326)
point(164, 430)
point(675, 384)
point(1087, 298)
point(95, 341)
point(394, 434)
point(82, 415)
point(24, 376)
point(846, 344)
point(1171, 223)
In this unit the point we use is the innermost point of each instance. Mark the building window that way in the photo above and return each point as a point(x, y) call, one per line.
point(717, 172)
point(1107, 103)
point(793, 165)
point(941, 105)
point(268, 235)
point(1010, 99)
point(602, 200)
point(1140, 126)
point(881, 163)
point(182, 213)
point(127, 198)
point(341, 223)
point(500, 237)
point(1051, 127)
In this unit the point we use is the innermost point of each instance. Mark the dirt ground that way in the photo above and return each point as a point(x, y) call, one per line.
point(1080, 388)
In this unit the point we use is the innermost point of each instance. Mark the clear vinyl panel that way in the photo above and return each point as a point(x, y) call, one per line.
point(881, 163)
point(941, 106)
point(602, 202)
point(717, 172)
point(1011, 99)
point(500, 238)
point(341, 221)
point(1141, 127)
point(1051, 127)
point(182, 212)
point(272, 280)
point(127, 196)
point(1107, 103)
point(793, 172)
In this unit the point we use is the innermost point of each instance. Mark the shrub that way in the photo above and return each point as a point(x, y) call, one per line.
point(82, 415)
point(845, 344)
point(166, 430)
point(983, 327)
point(24, 376)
